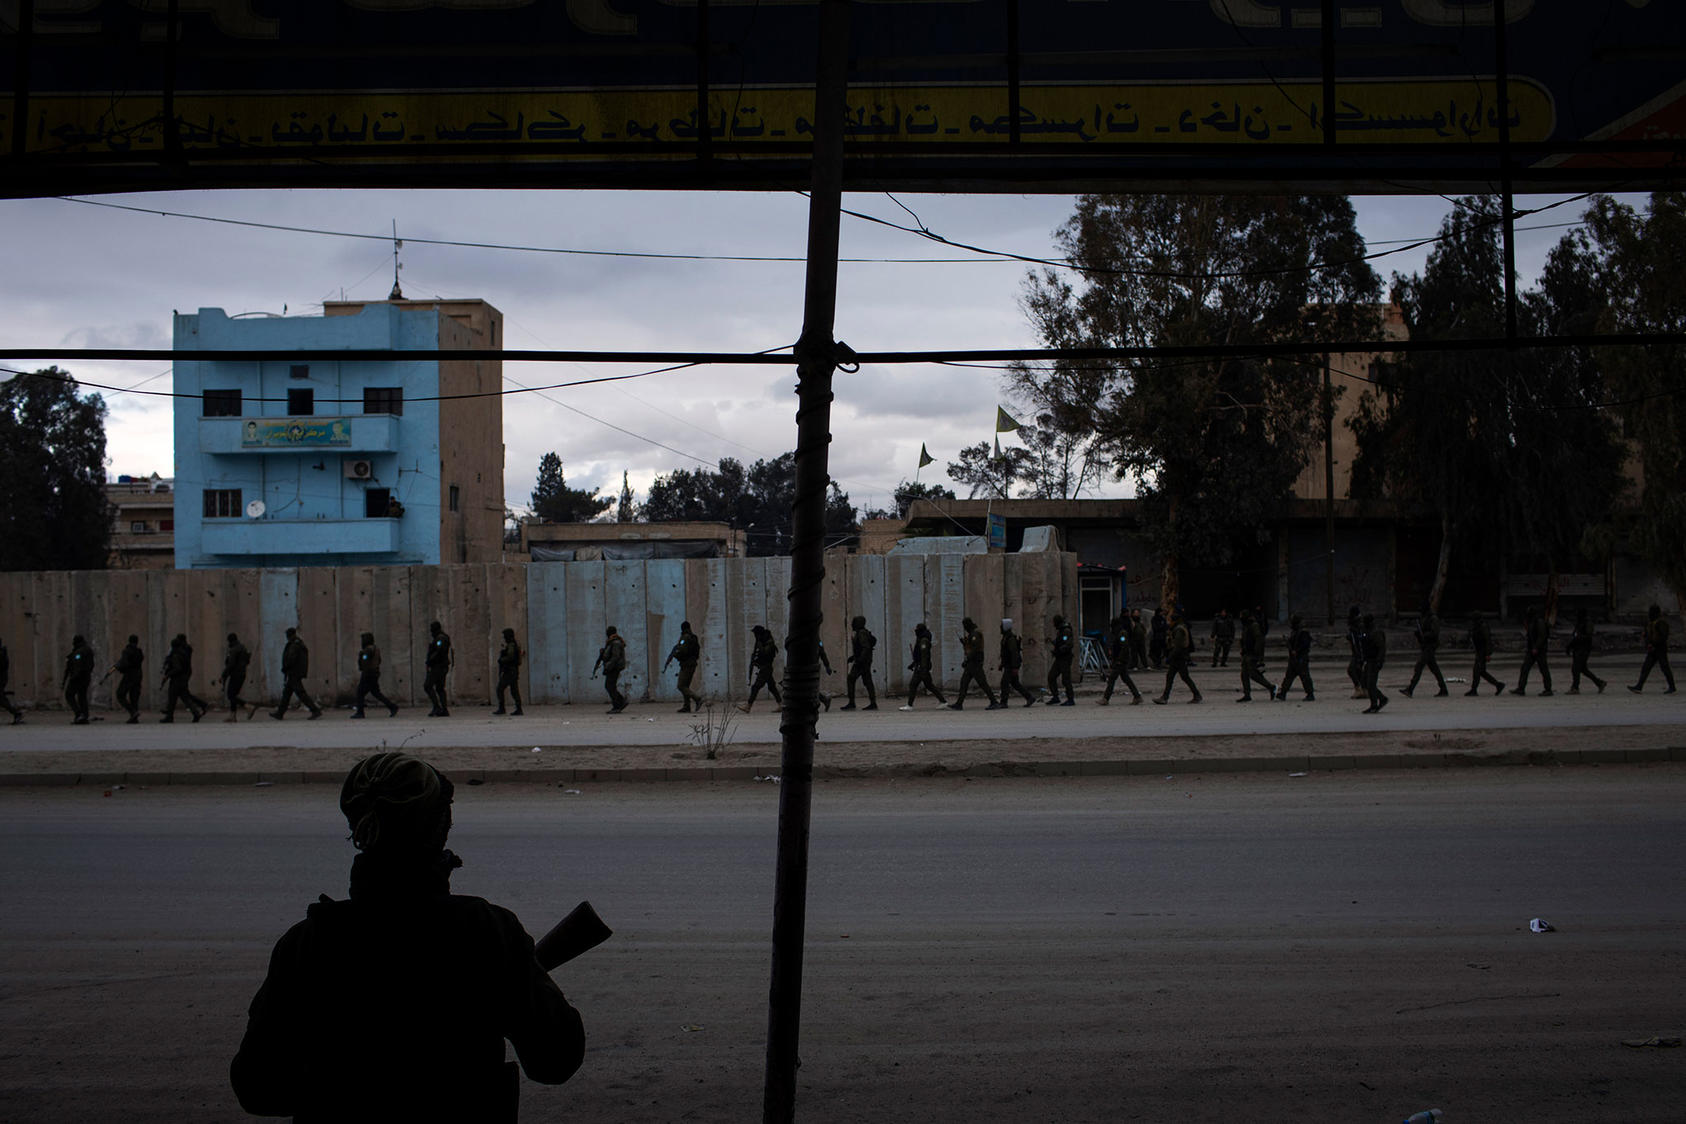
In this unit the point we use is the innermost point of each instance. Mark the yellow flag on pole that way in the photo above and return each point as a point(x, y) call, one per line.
point(925, 458)
point(1004, 421)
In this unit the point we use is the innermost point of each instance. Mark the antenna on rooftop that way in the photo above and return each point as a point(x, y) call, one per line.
point(397, 293)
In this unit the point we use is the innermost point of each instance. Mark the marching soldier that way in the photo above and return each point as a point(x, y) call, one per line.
point(128, 669)
point(295, 665)
point(1481, 640)
point(369, 677)
point(1428, 642)
point(1373, 640)
point(1656, 651)
point(1355, 653)
point(688, 650)
point(1580, 650)
point(972, 666)
point(509, 672)
point(1252, 655)
point(1299, 660)
point(1138, 641)
point(436, 665)
point(920, 665)
point(1538, 638)
point(611, 657)
point(1178, 646)
point(78, 673)
point(1011, 656)
point(1118, 662)
point(178, 674)
point(1059, 664)
point(236, 659)
point(762, 653)
point(5, 677)
point(1223, 635)
point(1156, 635)
point(861, 644)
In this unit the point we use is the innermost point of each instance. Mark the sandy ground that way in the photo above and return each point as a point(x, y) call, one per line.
point(988, 756)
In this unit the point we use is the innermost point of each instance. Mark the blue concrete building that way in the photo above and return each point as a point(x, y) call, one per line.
point(299, 463)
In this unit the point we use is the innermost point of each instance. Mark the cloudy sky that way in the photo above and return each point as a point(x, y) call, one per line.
point(87, 274)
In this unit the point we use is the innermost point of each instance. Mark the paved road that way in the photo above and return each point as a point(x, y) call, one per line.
point(657, 724)
point(1332, 947)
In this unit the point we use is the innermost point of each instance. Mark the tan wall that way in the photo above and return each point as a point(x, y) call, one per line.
point(557, 609)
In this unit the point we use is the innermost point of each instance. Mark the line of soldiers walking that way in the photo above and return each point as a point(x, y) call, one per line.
point(1165, 642)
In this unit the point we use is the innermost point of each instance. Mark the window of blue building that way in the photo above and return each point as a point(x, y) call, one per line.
point(221, 403)
point(222, 503)
point(383, 400)
point(301, 402)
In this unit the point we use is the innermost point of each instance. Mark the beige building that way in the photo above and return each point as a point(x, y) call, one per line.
point(471, 448)
point(582, 542)
point(143, 523)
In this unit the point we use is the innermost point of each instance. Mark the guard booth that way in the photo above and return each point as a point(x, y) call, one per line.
point(1103, 594)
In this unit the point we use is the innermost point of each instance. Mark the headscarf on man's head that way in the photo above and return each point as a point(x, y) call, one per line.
point(393, 801)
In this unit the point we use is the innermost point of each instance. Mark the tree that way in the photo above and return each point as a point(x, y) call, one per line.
point(625, 511)
point(1507, 454)
point(982, 472)
point(904, 495)
point(554, 502)
point(759, 500)
point(1641, 263)
point(52, 457)
point(1212, 445)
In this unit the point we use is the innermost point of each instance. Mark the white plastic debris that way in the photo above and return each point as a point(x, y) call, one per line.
point(1541, 925)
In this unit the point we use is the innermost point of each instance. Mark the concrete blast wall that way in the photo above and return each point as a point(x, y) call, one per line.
point(558, 611)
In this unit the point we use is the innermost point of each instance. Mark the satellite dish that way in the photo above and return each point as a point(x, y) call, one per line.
point(255, 509)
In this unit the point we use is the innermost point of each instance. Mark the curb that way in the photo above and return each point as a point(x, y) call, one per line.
point(1149, 766)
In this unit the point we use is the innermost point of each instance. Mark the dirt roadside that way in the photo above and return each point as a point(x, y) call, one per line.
point(982, 757)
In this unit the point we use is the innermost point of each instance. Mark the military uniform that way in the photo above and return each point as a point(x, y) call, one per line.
point(128, 669)
point(509, 671)
point(861, 644)
point(920, 665)
point(1538, 637)
point(1223, 635)
point(1428, 642)
point(1179, 645)
point(236, 659)
point(972, 666)
point(688, 651)
point(78, 673)
point(1580, 651)
point(612, 658)
point(5, 677)
point(1299, 660)
point(1138, 640)
point(1656, 651)
point(762, 655)
point(1252, 655)
point(1059, 664)
point(1011, 655)
point(1374, 641)
point(435, 666)
point(1355, 653)
point(178, 674)
point(295, 665)
point(369, 677)
point(1118, 661)
point(1481, 641)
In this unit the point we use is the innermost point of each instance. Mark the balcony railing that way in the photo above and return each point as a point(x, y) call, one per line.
point(299, 536)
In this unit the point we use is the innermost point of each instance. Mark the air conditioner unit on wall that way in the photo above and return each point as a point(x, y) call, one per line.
point(358, 469)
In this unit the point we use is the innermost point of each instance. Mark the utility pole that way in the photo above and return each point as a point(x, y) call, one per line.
point(817, 356)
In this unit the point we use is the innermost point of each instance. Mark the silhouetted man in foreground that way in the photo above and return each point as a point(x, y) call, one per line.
point(395, 1005)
